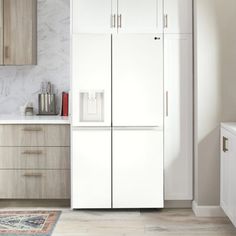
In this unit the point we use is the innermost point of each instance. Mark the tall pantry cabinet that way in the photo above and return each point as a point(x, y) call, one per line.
point(178, 77)
point(119, 56)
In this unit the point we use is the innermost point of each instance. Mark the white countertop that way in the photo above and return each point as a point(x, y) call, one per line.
point(230, 126)
point(17, 119)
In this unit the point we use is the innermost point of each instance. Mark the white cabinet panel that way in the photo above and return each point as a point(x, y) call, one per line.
point(228, 177)
point(225, 155)
point(178, 16)
point(138, 80)
point(93, 16)
point(91, 169)
point(140, 16)
point(91, 83)
point(137, 169)
point(178, 117)
point(232, 189)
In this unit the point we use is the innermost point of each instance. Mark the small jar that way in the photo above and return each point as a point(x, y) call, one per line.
point(29, 111)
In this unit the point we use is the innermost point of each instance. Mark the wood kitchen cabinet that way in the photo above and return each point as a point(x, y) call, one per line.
point(1, 32)
point(35, 161)
point(18, 32)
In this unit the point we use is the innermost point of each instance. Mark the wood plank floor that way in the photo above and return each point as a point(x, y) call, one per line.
point(180, 222)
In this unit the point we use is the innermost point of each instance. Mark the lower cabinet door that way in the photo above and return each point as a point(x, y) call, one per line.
point(91, 169)
point(226, 149)
point(228, 177)
point(35, 184)
point(137, 168)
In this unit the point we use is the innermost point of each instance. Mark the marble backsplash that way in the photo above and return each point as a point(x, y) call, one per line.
point(21, 84)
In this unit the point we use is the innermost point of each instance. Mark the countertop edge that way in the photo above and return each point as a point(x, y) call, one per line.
point(230, 126)
point(47, 120)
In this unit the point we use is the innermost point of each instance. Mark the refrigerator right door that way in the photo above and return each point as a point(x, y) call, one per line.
point(137, 80)
point(137, 168)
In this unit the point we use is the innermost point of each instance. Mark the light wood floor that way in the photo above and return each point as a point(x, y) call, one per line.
point(145, 223)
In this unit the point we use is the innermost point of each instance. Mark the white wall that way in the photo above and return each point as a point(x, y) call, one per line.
point(22, 83)
point(215, 98)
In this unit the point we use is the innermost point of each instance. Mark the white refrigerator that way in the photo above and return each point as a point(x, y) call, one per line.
point(117, 121)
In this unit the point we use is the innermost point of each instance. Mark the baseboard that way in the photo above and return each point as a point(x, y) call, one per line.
point(207, 211)
point(178, 204)
point(34, 203)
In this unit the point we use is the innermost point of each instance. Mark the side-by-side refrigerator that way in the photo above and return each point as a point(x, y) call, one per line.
point(117, 121)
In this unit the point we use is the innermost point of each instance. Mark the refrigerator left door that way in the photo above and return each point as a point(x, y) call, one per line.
point(91, 169)
point(91, 80)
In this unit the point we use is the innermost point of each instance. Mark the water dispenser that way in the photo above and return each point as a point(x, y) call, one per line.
point(92, 106)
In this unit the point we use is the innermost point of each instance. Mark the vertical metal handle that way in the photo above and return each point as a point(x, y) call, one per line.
point(113, 21)
point(167, 103)
point(225, 140)
point(119, 21)
point(165, 21)
point(6, 53)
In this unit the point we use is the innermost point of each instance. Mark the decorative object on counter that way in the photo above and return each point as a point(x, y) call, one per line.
point(47, 100)
point(29, 110)
point(65, 104)
point(28, 222)
point(22, 109)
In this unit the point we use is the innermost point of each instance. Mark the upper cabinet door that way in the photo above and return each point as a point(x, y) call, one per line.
point(140, 16)
point(178, 16)
point(93, 16)
point(20, 27)
point(138, 80)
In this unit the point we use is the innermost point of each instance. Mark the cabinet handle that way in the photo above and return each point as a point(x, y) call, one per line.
point(165, 21)
point(31, 129)
point(6, 53)
point(113, 21)
point(33, 175)
point(167, 103)
point(225, 140)
point(119, 21)
point(32, 152)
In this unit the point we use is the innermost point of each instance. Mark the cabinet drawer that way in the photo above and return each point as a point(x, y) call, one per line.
point(34, 158)
point(34, 135)
point(31, 184)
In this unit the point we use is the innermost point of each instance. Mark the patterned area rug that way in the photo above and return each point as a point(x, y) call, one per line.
point(31, 223)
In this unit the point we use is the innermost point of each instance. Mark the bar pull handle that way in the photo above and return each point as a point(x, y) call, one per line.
point(37, 175)
point(166, 21)
point(119, 21)
point(225, 141)
point(32, 129)
point(32, 152)
point(113, 21)
point(167, 103)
